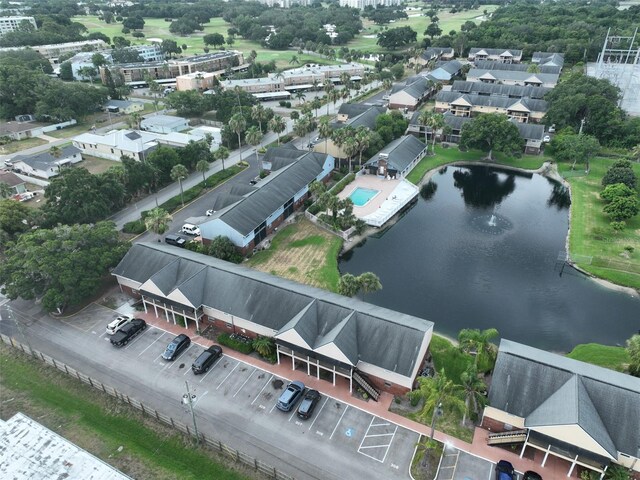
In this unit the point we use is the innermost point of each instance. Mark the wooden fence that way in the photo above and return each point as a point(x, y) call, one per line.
point(237, 455)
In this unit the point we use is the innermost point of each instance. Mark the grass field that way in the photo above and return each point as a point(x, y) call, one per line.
point(615, 358)
point(304, 253)
point(592, 237)
point(14, 147)
point(100, 424)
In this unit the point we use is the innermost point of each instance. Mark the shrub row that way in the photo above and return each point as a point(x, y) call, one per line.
point(136, 227)
point(338, 187)
point(242, 347)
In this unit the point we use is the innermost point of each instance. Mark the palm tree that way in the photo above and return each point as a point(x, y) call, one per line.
point(221, 154)
point(253, 137)
point(369, 282)
point(55, 151)
point(238, 125)
point(316, 104)
point(363, 139)
point(203, 166)
point(474, 390)
point(436, 122)
point(157, 220)
point(350, 148)
point(300, 96)
point(324, 129)
point(328, 87)
point(294, 60)
point(263, 345)
point(473, 340)
point(387, 84)
point(635, 153)
point(424, 119)
point(438, 393)
point(301, 127)
point(134, 120)
point(259, 114)
point(348, 285)
point(278, 125)
point(178, 173)
point(334, 96)
point(316, 84)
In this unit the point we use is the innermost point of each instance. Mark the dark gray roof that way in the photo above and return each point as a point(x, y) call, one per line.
point(495, 51)
point(256, 206)
point(367, 118)
point(451, 67)
point(399, 153)
point(435, 52)
point(44, 160)
point(534, 384)
point(497, 89)
point(502, 75)
point(363, 332)
point(496, 102)
point(515, 67)
point(548, 57)
point(352, 109)
point(530, 131)
point(417, 88)
point(10, 179)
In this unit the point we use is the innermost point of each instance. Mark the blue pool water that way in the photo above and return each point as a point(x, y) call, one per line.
point(361, 196)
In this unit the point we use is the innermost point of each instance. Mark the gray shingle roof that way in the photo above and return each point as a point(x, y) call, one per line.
point(515, 67)
point(530, 131)
point(353, 109)
point(525, 378)
point(44, 160)
point(400, 153)
point(363, 332)
point(489, 101)
point(451, 67)
point(256, 206)
point(435, 52)
point(502, 75)
point(367, 118)
point(548, 57)
point(417, 88)
point(513, 91)
point(495, 51)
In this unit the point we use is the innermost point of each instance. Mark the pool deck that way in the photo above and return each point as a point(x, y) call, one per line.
point(392, 197)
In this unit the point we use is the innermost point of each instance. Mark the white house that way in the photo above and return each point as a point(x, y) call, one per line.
point(116, 143)
point(126, 107)
point(44, 164)
point(164, 124)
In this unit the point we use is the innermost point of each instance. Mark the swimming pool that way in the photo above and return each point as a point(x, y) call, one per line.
point(361, 196)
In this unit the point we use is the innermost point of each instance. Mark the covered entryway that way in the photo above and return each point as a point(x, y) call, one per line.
point(171, 311)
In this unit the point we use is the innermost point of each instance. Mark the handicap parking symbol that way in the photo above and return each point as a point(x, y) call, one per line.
point(349, 432)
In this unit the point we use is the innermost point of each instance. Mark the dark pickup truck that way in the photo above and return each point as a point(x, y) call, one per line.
point(128, 332)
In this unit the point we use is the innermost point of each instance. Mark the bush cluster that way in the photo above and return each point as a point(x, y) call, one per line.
point(242, 347)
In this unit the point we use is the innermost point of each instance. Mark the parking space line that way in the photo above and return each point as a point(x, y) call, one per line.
point(245, 382)
point(292, 414)
point(225, 378)
point(211, 370)
point(367, 432)
point(379, 435)
point(181, 355)
point(375, 446)
point(336, 427)
point(384, 424)
point(133, 341)
point(151, 344)
point(326, 399)
point(261, 390)
point(186, 370)
point(366, 455)
point(386, 453)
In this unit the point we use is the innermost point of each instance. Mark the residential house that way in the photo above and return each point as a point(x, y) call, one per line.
point(27, 128)
point(495, 54)
point(524, 109)
point(317, 331)
point(115, 144)
point(445, 71)
point(499, 90)
point(44, 164)
point(533, 134)
point(366, 118)
point(248, 214)
point(398, 158)
point(16, 184)
point(164, 124)
point(508, 77)
point(433, 54)
point(515, 67)
point(126, 107)
point(417, 90)
point(552, 408)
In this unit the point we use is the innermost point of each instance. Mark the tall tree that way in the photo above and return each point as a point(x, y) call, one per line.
point(238, 124)
point(575, 148)
point(253, 137)
point(479, 341)
point(492, 131)
point(278, 125)
point(439, 393)
point(369, 282)
point(348, 285)
point(259, 114)
point(436, 122)
point(157, 220)
point(474, 392)
point(222, 153)
point(633, 349)
point(325, 130)
point(178, 174)
point(363, 140)
point(203, 167)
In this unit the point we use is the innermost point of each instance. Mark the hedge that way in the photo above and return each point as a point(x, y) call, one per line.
point(136, 227)
point(338, 187)
point(242, 347)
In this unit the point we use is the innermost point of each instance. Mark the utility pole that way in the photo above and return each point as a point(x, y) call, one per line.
point(189, 400)
point(582, 125)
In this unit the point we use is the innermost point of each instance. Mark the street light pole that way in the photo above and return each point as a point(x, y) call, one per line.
point(193, 414)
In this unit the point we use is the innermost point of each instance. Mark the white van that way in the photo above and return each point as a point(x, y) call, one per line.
point(190, 229)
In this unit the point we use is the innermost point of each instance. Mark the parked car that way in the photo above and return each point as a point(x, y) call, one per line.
point(118, 323)
point(176, 240)
point(206, 359)
point(546, 138)
point(308, 404)
point(177, 345)
point(290, 396)
point(128, 332)
point(210, 212)
point(190, 229)
point(530, 475)
point(552, 128)
point(505, 471)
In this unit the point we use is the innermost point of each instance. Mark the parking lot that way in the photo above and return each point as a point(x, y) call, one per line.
point(335, 430)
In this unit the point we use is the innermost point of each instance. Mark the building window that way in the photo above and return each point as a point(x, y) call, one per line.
point(229, 326)
point(387, 384)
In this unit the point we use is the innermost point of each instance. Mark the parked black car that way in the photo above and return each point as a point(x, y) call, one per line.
point(531, 475)
point(290, 396)
point(128, 332)
point(206, 359)
point(177, 345)
point(308, 404)
point(505, 471)
point(176, 240)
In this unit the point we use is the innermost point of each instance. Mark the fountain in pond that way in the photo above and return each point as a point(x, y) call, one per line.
point(493, 223)
point(492, 220)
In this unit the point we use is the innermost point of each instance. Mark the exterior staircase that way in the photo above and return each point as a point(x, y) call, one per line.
point(507, 438)
point(362, 380)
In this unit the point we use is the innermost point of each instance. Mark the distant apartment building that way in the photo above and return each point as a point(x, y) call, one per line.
point(495, 55)
point(150, 53)
point(11, 24)
point(361, 4)
point(197, 81)
point(286, 3)
point(52, 52)
point(209, 62)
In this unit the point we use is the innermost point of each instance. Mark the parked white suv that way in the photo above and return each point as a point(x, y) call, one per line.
point(118, 323)
point(190, 229)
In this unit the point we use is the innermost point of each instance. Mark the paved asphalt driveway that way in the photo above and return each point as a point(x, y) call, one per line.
point(235, 402)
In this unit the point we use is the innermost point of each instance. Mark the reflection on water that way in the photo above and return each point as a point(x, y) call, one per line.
point(435, 264)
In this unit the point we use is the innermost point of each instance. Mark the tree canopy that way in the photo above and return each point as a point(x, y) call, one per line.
point(396, 37)
point(61, 266)
point(492, 131)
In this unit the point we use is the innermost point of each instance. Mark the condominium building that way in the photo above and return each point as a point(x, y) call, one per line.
point(286, 3)
point(361, 4)
point(52, 52)
point(11, 24)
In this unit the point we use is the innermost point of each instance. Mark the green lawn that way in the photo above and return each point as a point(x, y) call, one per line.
point(17, 146)
point(595, 246)
point(615, 358)
point(106, 424)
